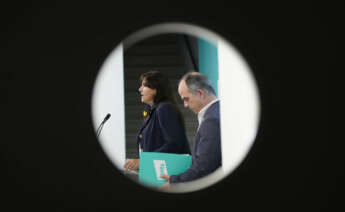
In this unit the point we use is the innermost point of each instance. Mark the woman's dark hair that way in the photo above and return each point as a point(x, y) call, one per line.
point(164, 93)
point(156, 80)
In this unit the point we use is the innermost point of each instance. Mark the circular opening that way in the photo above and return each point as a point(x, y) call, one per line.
point(159, 47)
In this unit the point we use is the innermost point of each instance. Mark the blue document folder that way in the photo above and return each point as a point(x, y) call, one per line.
point(155, 164)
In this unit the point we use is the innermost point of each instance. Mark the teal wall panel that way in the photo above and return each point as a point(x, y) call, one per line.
point(208, 61)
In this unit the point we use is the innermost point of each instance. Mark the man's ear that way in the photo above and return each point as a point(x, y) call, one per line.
point(201, 93)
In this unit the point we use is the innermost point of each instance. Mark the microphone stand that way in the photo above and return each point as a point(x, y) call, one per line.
point(102, 124)
point(100, 129)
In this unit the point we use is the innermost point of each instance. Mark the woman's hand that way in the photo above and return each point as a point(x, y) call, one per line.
point(132, 164)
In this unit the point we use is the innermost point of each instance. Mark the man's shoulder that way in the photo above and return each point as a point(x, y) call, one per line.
point(211, 118)
point(213, 111)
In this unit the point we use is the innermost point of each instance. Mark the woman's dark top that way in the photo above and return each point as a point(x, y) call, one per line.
point(163, 131)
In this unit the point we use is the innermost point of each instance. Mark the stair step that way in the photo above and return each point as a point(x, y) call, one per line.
point(158, 40)
point(174, 72)
point(153, 60)
point(153, 50)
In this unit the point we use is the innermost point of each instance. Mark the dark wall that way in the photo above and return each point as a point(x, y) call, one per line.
point(189, 51)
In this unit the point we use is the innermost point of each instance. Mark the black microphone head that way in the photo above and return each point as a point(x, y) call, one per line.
point(107, 117)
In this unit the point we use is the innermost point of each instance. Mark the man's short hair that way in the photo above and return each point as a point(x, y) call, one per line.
point(196, 80)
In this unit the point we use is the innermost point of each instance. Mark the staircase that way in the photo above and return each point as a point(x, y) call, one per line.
point(161, 53)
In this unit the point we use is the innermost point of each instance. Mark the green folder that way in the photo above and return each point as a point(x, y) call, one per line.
point(155, 164)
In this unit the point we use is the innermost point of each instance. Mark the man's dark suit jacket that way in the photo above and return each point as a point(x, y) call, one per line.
point(163, 131)
point(207, 156)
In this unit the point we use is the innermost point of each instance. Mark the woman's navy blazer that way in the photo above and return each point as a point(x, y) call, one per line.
point(163, 131)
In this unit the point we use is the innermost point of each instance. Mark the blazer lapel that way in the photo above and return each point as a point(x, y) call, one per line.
point(147, 119)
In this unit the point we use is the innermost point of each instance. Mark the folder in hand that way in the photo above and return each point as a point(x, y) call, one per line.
point(155, 164)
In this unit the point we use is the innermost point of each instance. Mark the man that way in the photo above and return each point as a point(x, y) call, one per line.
point(199, 96)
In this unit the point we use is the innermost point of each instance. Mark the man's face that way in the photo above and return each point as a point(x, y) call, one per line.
point(190, 100)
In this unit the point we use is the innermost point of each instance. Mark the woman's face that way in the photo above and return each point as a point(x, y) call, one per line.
point(147, 94)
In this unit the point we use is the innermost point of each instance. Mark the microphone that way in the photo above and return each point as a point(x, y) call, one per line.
point(102, 124)
point(106, 118)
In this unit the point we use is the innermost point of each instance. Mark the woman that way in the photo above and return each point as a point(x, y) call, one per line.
point(163, 129)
